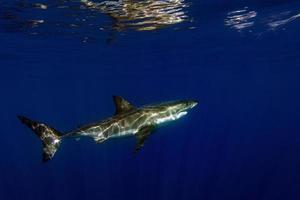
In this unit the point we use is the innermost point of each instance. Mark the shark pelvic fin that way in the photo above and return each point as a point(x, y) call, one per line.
point(122, 105)
point(141, 137)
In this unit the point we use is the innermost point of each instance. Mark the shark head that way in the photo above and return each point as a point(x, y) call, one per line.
point(172, 110)
point(179, 107)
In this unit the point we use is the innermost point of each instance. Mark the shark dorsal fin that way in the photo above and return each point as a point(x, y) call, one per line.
point(122, 105)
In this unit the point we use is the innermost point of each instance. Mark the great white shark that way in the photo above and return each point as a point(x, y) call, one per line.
point(128, 120)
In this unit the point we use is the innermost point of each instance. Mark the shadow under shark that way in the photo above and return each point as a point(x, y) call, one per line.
point(127, 121)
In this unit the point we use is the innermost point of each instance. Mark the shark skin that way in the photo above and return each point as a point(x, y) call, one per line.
point(127, 121)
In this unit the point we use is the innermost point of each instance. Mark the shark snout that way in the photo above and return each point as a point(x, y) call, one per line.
point(194, 103)
point(190, 104)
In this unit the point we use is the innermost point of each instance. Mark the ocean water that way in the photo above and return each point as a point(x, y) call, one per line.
point(61, 61)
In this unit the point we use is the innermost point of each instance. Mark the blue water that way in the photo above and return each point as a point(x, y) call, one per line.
point(240, 59)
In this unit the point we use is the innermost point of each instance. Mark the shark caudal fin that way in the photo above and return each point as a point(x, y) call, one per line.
point(50, 137)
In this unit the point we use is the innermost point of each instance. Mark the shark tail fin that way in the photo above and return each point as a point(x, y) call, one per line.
point(50, 137)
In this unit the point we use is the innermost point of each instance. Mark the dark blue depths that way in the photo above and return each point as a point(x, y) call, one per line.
point(241, 142)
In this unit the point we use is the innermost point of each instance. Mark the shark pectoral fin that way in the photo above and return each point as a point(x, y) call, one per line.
point(122, 105)
point(141, 137)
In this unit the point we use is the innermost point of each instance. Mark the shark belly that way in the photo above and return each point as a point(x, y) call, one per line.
point(111, 129)
point(129, 132)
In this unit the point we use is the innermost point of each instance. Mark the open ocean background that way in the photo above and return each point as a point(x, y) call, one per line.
point(61, 62)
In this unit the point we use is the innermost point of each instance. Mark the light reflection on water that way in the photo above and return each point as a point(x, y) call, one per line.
point(91, 19)
point(240, 19)
point(250, 20)
point(85, 17)
point(282, 19)
point(141, 15)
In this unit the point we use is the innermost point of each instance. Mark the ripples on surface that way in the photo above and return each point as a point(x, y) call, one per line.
point(282, 19)
point(88, 18)
point(141, 15)
point(42, 18)
point(247, 19)
point(85, 17)
point(240, 19)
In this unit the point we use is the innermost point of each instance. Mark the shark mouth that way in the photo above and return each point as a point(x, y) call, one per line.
point(181, 114)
